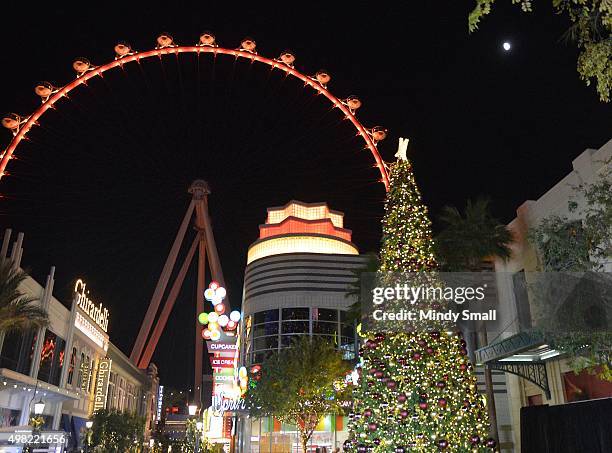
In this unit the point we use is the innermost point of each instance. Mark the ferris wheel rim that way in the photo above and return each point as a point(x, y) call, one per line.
point(95, 71)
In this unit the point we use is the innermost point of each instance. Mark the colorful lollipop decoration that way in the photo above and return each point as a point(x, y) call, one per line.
point(217, 320)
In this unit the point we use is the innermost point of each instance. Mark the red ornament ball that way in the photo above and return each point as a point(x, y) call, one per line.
point(475, 439)
point(402, 398)
point(372, 426)
point(416, 356)
point(423, 405)
point(367, 413)
point(391, 384)
point(442, 402)
point(404, 414)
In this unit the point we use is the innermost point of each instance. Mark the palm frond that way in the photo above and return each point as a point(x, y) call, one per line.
point(17, 310)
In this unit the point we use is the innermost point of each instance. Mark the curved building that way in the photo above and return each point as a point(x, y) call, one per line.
point(296, 280)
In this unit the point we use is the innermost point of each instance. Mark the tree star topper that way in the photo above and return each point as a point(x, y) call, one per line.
point(402, 148)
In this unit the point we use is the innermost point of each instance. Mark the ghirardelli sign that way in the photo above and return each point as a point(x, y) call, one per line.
point(97, 313)
point(102, 380)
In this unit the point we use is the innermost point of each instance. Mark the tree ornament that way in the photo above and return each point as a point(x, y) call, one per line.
point(475, 439)
point(402, 398)
point(442, 444)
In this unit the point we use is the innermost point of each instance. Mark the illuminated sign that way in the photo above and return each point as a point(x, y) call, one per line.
point(91, 331)
point(85, 371)
point(97, 313)
point(160, 399)
point(220, 404)
point(222, 362)
point(102, 379)
point(222, 347)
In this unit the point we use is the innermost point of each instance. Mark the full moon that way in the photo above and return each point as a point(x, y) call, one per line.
point(506, 46)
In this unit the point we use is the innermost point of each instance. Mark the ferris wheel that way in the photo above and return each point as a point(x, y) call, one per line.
point(51, 95)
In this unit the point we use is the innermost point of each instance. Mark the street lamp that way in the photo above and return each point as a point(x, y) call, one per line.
point(39, 407)
point(88, 425)
point(199, 426)
point(193, 410)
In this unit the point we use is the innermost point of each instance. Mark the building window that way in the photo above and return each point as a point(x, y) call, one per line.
point(51, 358)
point(296, 313)
point(17, 350)
point(296, 327)
point(266, 316)
point(73, 357)
point(268, 333)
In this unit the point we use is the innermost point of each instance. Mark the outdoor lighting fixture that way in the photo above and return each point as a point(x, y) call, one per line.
point(223, 320)
point(192, 409)
point(39, 407)
point(88, 424)
point(507, 46)
point(199, 426)
point(235, 316)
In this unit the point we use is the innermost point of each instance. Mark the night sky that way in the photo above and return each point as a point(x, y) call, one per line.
point(100, 188)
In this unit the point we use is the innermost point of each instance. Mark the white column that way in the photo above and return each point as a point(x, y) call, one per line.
point(46, 296)
point(57, 415)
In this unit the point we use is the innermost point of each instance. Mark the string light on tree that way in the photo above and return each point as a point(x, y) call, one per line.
point(416, 391)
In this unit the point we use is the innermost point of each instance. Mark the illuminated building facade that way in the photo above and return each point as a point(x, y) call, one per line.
point(297, 277)
point(70, 365)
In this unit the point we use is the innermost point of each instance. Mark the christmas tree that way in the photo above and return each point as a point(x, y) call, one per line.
point(417, 390)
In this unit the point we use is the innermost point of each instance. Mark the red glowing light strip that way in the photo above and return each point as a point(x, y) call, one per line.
point(193, 49)
point(294, 225)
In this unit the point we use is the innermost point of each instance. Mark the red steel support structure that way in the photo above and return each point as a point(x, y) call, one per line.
point(204, 244)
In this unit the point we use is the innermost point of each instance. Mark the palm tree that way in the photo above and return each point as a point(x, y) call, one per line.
point(17, 310)
point(468, 239)
point(465, 242)
point(355, 290)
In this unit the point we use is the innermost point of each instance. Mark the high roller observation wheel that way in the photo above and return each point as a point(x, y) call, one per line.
point(50, 95)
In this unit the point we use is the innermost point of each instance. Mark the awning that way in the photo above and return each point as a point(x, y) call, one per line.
point(524, 354)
